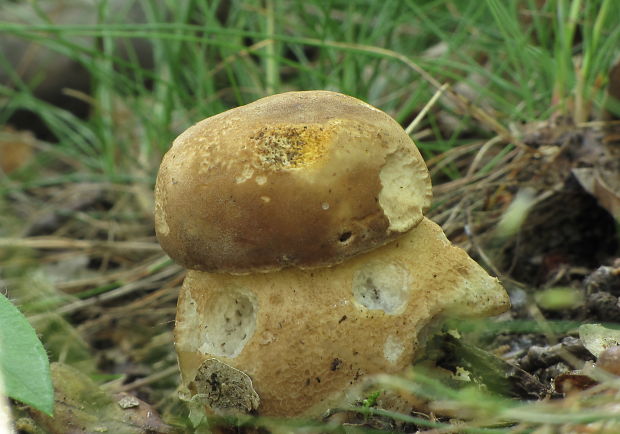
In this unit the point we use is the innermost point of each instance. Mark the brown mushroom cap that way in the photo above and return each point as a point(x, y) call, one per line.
point(296, 342)
point(303, 179)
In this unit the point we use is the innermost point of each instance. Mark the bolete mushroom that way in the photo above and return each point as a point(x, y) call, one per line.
point(311, 265)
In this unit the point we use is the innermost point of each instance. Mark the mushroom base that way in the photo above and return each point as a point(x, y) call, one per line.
point(295, 342)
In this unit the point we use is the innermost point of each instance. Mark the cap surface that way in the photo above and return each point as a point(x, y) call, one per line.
point(302, 179)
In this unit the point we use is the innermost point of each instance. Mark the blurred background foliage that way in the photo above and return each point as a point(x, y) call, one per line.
point(92, 93)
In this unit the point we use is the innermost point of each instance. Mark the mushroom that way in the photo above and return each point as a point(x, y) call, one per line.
point(311, 265)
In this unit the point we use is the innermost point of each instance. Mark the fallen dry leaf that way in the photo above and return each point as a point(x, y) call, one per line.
point(573, 381)
point(15, 149)
point(599, 183)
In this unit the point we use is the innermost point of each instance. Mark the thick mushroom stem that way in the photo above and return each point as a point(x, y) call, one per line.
point(305, 338)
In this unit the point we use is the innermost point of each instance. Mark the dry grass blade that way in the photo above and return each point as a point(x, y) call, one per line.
point(414, 124)
point(464, 105)
point(167, 372)
point(49, 243)
point(145, 283)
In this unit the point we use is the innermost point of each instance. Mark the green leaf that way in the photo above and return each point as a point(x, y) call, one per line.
point(24, 366)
